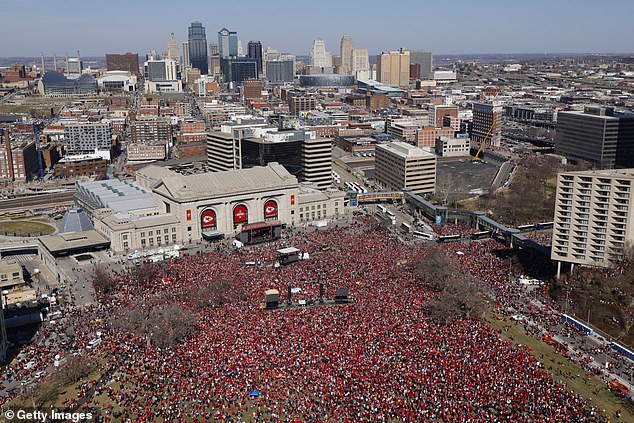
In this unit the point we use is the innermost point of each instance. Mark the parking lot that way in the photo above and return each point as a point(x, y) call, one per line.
point(476, 176)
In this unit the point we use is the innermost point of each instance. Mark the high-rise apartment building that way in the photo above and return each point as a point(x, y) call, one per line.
point(198, 48)
point(125, 62)
point(88, 137)
point(400, 165)
point(255, 53)
point(598, 135)
point(487, 119)
point(593, 222)
point(393, 68)
point(425, 60)
point(172, 49)
point(345, 51)
point(151, 130)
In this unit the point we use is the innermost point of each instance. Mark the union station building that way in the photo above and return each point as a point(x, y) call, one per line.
point(164, 207)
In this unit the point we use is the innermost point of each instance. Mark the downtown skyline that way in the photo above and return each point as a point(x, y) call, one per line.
point(490, 27)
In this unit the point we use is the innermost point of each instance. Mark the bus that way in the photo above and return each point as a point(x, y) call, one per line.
point(406, 227)
point(481, 235)
point(389, 213)
point(423, 235)
point(382, 209)
point(544, 225)
point(526, 228)
point(449, 238)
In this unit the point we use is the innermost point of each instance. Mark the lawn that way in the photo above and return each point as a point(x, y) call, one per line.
point(590, 387)
point(26, 228)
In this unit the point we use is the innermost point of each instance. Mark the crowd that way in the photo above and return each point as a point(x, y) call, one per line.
point(380, 358)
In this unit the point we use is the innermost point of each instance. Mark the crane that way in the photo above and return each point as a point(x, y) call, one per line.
point(477, 158)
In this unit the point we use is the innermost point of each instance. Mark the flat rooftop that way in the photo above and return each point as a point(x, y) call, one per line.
point(405, 150)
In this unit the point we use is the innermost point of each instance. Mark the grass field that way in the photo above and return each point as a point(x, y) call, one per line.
point(592, 388)
point(26, 227)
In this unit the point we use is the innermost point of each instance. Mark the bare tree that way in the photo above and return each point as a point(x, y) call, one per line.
point(217, 293)
point(74, 370)
point(433, 269)
point(102, 281)
point(460, 298)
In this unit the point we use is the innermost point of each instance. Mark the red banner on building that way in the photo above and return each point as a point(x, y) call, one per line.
point(240, 214)
point(208, 219)
point(270, 210)
point(188, 213)
point(292, 199)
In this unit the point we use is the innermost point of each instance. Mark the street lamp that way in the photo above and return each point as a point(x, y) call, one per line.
point(5, 293)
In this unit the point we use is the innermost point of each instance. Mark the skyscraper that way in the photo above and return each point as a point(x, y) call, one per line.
point(214, 59)
point(227, 43)
point(198, 48)
point(318, 56)
point(255, 53)
point(172, 49)
point(185, 55)
point(393, 68)
point(346, 55)
point(360, 63)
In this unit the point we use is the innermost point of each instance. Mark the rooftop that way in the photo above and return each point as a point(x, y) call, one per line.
point(117, 195)
point(405, 150)
point(221, 184)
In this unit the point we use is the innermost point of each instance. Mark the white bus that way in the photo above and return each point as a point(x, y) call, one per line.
point(423, 235)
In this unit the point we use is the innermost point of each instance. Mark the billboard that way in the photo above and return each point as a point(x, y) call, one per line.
point(240, 214)
point(270, 209)
point(208, 219)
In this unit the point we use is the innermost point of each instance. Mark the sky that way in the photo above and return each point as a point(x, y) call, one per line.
point(443, 27)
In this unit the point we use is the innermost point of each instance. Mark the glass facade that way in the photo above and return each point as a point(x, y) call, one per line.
point(326, 80)
point(287, 153)
point(198, 48)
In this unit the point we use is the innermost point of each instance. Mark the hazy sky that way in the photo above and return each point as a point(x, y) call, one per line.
point(455, 26)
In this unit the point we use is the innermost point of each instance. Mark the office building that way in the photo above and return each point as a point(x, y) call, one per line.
point(425, 61)
point(123, 62)
point(452, 147)
point(360, 63)
point(255, 53)
point(598, 135)
point(242, 68)
point(90, 165)
point(223, 147)
point(252, 89)
point(172, 49)
point(345, 52)
point(393, 68)
point(298, 103)
point(185, 55)
point(88, 137)
point(227, 43)
point(437, 113)
point(162, 76)
point(487, 124)
point(161, 70)
point(593, 221)
point(280, 71)
point(271, 55)
point(400, 165)
point(214, 59)
point(319, 58)
point(198, 48)
point(317, 160)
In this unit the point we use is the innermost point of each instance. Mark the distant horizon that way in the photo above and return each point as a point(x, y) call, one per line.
point(494, 26)
point(567, 53)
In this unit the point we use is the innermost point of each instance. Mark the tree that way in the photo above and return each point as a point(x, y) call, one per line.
point(101, 280)
point(217, 293)
point(433, 269)
point(449, 188)
point(460, 298)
